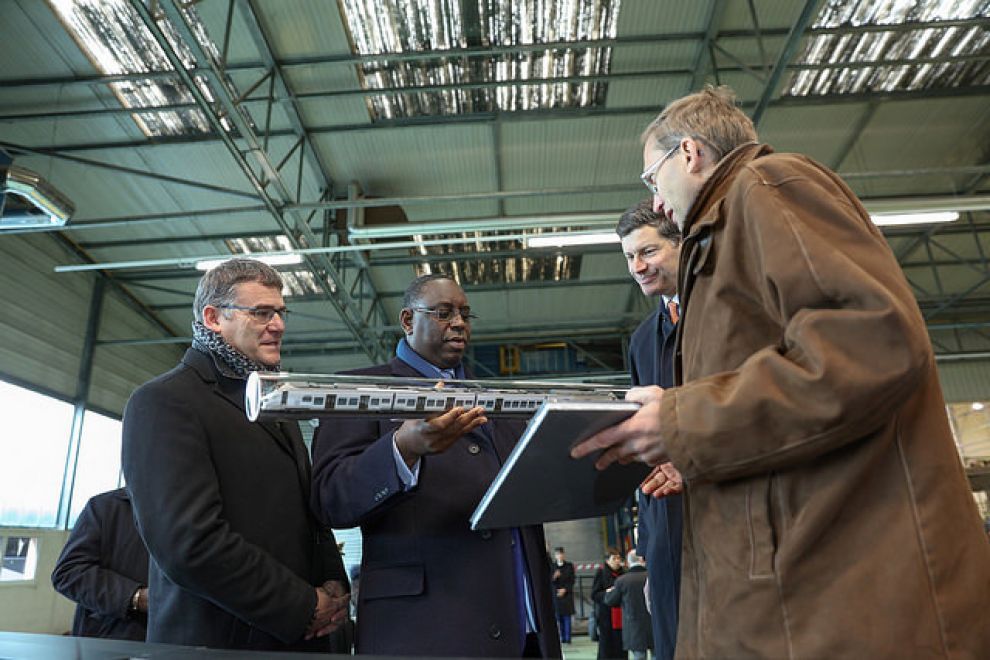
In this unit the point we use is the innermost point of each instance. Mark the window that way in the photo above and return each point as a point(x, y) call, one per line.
point(98, 467)
point(32, 463)
point(20, 558)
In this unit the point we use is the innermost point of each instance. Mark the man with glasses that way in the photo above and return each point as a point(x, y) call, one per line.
point(238, 560)
point(430, 585)
point(827, 513)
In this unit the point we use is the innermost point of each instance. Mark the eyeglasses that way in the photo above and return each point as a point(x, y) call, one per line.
point(446, 313)
point(263, 315)
point(647, 177)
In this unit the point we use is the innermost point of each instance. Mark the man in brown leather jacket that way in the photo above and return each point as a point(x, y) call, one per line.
point(826, 509)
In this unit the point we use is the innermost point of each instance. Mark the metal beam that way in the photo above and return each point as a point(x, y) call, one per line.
point(320, 267)
point(786, 55)
point(83, 381)
point(59, 154)
point(714, 19)
point(648, 112)
point(456, 53)
point(652, 75)
point(854, 135)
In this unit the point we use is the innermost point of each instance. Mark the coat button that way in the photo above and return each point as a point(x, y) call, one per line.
point(486, 534)
point(473, 448)
point(494, 632)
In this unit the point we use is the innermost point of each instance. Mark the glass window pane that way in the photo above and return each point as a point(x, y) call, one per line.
point(98, 469)
point(36, 431)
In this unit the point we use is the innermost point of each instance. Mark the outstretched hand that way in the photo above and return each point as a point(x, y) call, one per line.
point(419, 437)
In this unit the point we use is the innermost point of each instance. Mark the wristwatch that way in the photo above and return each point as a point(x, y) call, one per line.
point(136, 599)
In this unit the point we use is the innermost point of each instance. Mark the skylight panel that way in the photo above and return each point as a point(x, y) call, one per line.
point(471, 84)
point(962, 52)
point(296, 281)
point(116, 41)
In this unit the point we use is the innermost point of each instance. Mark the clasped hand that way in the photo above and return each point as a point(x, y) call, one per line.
point(332, 608)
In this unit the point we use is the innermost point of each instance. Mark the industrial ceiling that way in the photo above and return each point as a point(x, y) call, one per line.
point(381, 140)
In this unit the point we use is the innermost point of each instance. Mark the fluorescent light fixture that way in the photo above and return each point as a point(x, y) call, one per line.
point(42, 204)
point(565, 240)
point(271, 260)
point(894, 219)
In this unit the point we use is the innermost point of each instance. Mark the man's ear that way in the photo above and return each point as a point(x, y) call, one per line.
point(211, 318)
point(405, 320)
point(696, 154)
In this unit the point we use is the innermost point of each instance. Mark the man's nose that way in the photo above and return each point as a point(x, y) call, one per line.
point(639, 265)
point(277, 324)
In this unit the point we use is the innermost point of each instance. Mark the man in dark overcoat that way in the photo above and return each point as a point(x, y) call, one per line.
point(429, 584)
point(628, 593)
point(238, 560)
point(563, 578)
point(103, 568)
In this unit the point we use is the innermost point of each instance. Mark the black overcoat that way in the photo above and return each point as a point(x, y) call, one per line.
point(660, 526)
point(101, 566)
point(565, 580)
point(222, 505)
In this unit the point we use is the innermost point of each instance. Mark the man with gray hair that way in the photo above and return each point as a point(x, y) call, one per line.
point(237, 559)
point(826, 511)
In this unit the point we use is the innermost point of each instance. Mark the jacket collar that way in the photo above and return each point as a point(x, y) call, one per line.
point(715, 187)
point(232, 390)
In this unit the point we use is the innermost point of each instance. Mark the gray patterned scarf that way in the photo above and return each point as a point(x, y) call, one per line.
point(230, 361)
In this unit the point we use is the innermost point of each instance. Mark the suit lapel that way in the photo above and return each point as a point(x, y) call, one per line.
point(660, 336)
point(232, 392)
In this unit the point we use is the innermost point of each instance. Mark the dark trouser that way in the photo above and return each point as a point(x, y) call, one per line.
point(564, 626)
point(531, 649)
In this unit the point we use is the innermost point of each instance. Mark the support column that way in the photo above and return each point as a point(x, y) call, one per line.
point(82, 395)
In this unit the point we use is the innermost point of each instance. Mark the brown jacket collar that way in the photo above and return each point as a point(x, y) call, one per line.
point(715, 187)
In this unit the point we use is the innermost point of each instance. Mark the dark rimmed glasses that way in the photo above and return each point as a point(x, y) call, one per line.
point(263, 315)
point(446, 313)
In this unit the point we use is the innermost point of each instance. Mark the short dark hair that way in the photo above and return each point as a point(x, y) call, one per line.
point(415, 289)
point(643, 215)
point(612, 552)
point(216, 287)
point(559, 548)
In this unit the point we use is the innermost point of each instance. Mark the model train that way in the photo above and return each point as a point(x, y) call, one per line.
point(287, 396)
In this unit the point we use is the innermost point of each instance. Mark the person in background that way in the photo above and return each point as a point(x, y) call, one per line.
point(628, 592)
point(608, 618)
point(563, 578)
point(238, 561)
point(103, 568)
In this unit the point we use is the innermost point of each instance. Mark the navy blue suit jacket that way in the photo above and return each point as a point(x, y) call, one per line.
point(429, 585)
point(651, 360)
